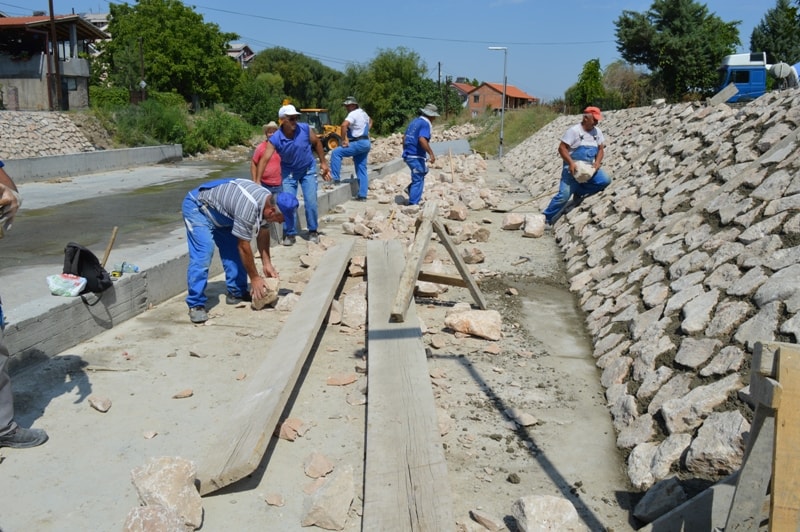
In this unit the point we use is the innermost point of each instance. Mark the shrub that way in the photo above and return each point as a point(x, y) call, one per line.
point(107, 98)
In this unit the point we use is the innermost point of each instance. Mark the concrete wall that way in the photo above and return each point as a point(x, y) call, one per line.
point(41, 168)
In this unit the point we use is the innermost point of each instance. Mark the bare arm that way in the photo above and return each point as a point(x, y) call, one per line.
point(257, 285)
point(427, 147)
point(344, 128)
point(598, 160)
point(563, 151)
point(263, 241)
point(262, 163)
point(317, 146)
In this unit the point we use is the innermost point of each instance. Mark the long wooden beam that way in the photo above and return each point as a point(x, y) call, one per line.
point(405, 476)
point(244, 439)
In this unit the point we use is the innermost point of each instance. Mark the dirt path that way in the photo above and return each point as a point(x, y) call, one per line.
point(80, 480)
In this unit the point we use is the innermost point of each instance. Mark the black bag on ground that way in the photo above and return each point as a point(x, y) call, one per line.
point(79, 260)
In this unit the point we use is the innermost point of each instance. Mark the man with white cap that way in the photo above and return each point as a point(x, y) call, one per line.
point(294, 142)
point(355, 144)
point(582, 149)
point(416, 145)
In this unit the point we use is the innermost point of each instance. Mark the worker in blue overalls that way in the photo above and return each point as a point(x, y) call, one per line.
point(581, 142)
point(228, 213)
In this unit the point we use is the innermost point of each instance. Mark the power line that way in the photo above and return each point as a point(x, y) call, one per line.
point(399, 35)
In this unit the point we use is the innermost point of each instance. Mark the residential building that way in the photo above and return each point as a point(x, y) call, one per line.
point(241, 53)
point(30, 77)
point(489, 97)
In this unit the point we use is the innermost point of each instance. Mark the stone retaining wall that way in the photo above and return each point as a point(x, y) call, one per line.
point(25, 134)
point(688, 258)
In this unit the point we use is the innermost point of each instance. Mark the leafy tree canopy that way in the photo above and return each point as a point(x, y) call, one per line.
point(679, 42)
point(306, 82)
point(778, 34)
point(589, 89)
point(177, 49)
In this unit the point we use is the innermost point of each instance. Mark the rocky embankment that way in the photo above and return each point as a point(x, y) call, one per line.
point(689, 258)
point(25, 134)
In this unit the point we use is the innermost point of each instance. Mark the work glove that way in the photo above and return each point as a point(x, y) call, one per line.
point(10, 202)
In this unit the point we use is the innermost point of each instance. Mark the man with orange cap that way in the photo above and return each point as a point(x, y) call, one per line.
point(582, 148)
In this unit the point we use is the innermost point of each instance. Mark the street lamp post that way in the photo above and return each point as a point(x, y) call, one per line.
point(503, 104)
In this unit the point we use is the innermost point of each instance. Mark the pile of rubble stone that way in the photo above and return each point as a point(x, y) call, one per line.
point(25, 134)
point(689, 258)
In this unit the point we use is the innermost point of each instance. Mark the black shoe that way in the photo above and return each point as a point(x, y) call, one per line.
point(313, 236)
point(21, 438)
point(198, 315)
point(289, 240)
point(231, 299)
point(360, 198)
point(577, 199)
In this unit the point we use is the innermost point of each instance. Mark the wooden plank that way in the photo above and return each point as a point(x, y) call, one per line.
point(765, 391)
point(405, 476)
point(785, 509)
point(765, 359)
point(244, 439)
point(441, 278)
point(746, 510)
point(724, 95)
point(461, 266)
point(408, 280)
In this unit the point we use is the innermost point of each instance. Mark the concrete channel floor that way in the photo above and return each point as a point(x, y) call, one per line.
point(80, 480)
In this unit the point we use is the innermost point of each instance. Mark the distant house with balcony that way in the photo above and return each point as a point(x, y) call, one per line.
point(241, 53)
point(488, 97)
point(30, 77)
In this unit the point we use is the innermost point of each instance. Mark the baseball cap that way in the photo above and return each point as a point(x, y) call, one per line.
point(287, 203)
point(287, 110)
point(595, 112)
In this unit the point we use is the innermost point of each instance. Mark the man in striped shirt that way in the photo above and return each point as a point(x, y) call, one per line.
point(228, 213)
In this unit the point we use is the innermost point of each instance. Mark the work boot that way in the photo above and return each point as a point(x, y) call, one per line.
point(198, 314)
point(313, 236)
point(231, 299)
point(288, 240)
point(21, 438)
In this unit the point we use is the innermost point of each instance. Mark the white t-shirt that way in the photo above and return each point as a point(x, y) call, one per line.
point(577, 136)
point(359, 123)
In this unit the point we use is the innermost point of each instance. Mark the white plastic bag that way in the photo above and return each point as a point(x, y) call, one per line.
point(65, 284)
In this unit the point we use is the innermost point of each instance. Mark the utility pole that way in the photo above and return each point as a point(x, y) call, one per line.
point(142, 84)
point(57, 66)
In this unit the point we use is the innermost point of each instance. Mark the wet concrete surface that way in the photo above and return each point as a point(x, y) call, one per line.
point(143, 214)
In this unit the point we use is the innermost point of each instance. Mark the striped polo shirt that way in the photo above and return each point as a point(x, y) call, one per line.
point(240, 201)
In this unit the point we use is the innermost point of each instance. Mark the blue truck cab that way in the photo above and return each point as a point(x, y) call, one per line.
point(748, 72)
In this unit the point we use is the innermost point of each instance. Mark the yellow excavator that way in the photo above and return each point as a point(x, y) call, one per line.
point(320, 120)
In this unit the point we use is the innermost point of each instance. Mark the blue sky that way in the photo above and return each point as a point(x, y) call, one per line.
point(548, 41)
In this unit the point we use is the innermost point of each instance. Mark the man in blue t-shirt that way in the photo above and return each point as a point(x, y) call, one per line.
point(416, 145)
point(294, 142)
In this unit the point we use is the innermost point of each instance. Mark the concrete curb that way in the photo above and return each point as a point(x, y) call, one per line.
point(44, 327)
point(39, 168)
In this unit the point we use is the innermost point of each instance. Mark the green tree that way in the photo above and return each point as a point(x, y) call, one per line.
point(177, 50)
point(778, 34)
point(258, 97)
point(589, 89)
point(392, 88)
point(306, 81)
point(679, 42)
point(625, 86)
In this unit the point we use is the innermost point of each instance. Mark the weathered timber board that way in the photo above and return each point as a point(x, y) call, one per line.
point(405, 482)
